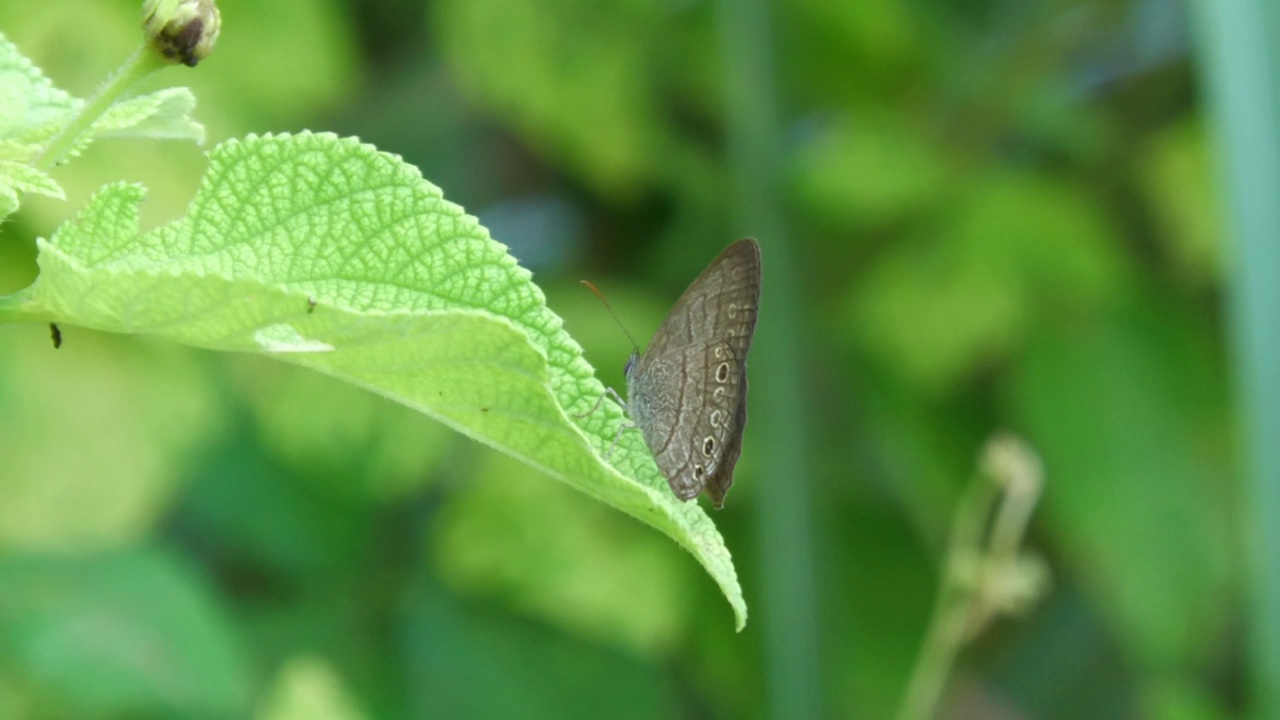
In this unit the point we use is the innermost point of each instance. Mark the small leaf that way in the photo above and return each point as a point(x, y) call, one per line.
point(27, 98)
point(17, 178)
point(325, 253)
point(161, 115)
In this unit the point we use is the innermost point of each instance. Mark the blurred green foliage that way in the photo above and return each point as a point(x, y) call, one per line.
point(1003, 216)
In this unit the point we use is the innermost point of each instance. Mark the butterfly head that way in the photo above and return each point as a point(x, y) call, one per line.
point(630, 367)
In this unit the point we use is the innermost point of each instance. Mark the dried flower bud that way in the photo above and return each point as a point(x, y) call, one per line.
point(182, 30)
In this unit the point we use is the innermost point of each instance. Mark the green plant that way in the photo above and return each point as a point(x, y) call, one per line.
point(326, 253)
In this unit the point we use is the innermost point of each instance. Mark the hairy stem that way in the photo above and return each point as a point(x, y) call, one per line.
point(144, 61)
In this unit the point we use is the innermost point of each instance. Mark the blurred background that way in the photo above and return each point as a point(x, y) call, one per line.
point(974, 216)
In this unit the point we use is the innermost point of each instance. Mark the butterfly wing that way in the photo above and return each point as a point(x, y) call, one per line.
point(719, 305)
point(688, 391)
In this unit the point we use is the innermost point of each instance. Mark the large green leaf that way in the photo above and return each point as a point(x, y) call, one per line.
point(325, 253)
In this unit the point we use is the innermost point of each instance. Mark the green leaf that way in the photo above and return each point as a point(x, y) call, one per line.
point(27, 98)
point(17, 178)
point(121, 635)
point(161, 115)
point(32, 110)
point(325, 253)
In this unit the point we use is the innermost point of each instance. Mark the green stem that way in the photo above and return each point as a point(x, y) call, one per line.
point(955, 605)
point(144, 61)
point(781, 430)
point(982, 559)
point(20, 308)
point(1241, 71)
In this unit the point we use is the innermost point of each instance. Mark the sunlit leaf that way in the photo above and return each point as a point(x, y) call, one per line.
point(324, 253)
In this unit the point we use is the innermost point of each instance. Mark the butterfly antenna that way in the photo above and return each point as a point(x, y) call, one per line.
point(613, 314)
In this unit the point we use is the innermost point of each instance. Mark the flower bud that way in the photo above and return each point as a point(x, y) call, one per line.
point(182, 30)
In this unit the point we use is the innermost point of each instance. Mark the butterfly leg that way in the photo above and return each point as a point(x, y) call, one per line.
point(613, 445)
point(608, 392)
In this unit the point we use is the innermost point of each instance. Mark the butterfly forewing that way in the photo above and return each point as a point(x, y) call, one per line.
point(715, 305)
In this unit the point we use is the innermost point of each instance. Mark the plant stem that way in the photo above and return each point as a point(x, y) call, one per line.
point(144, 61)
point(980, 568)
point(18, 307)
point(1241, 72)
point(781, 428)
point(951, 612)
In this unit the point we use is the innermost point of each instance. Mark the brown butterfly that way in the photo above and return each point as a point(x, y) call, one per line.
point(688, 392)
